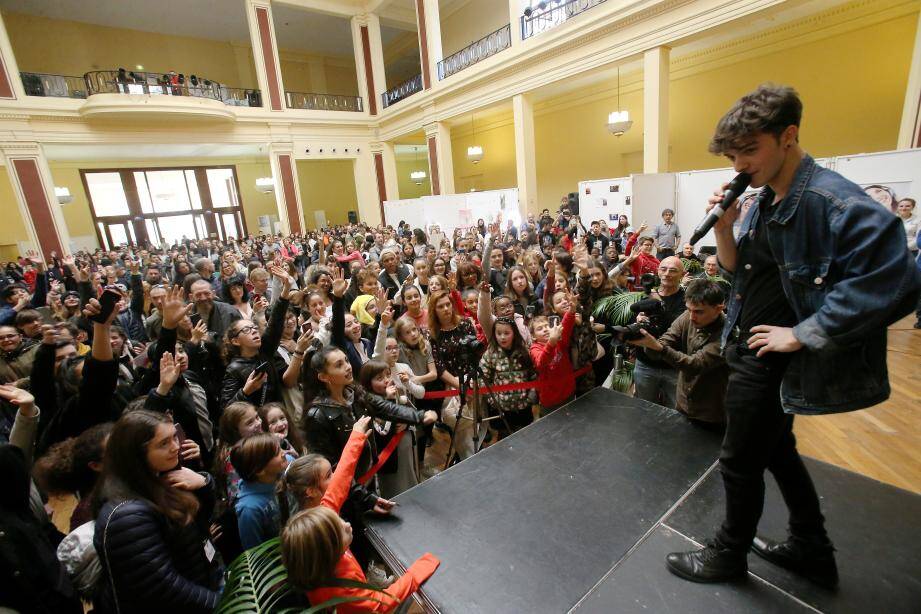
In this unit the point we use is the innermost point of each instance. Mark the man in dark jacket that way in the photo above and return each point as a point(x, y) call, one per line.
point(218, 316)
point(393, 273)
point(805, 331)
point(692, 347)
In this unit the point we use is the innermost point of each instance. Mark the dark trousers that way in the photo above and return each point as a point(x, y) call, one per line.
point(664, 253)
point(759, 436)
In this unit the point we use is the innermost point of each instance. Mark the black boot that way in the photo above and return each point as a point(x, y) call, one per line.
point(814, 562)
point(713, 563)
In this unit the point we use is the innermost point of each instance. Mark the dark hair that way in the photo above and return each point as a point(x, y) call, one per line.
point(369, 371)
point(510, 291)
point(250, 455)
point(770, 108)
point(664, 211)
point(65, 466)
point(704, 292)
point(294, 435)
point(236, 280)
point(310, 381)
point(127, 475)
point(27, 316)
point(466, 268)
point(519, 350)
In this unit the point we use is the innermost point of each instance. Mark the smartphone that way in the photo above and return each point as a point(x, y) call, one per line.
point(180, 433)
point(306, 327)
point(107, 302)
point(554, 320)
point(261, 368)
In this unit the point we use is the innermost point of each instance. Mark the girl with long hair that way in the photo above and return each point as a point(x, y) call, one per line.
point(316, 545)
point(506, 361)
point(152, 519)
point(518, 290)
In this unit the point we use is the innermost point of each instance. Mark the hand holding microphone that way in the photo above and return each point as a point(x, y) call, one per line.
point(720, 209)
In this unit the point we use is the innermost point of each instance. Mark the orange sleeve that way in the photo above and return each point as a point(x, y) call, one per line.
point(338, 490)
point(386, 600)
point(569, 321)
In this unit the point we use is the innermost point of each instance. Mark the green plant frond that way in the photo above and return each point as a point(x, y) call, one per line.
point(693, 267)
point(256, 580)
point(623, 378)
point(615, 309)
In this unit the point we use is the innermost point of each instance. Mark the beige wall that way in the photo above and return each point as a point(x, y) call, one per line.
point(339, 74)
point(408, 187)
point(73, 48)
point(496, 170)
point(13, 228)
point(327, 185)
point(471, 22)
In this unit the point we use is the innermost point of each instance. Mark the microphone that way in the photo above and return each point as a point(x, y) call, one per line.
point(733, 190)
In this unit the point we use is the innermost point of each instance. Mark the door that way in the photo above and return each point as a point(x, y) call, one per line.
point(320, 217)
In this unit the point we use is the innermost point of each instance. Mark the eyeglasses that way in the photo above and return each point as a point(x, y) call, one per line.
point(8, 337)
point(244, 331)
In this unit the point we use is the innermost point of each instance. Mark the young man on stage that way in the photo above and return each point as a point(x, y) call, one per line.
point(818, 273)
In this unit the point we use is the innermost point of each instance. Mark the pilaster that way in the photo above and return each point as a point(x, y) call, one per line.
point(525, 151)
point(265, 54)
point(655, 110)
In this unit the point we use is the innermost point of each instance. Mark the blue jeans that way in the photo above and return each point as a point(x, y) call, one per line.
point(656, 384)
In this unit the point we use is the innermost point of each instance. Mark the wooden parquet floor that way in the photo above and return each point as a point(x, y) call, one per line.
point(884, 441)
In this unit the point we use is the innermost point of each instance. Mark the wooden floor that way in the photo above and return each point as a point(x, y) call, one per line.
point(883, 442)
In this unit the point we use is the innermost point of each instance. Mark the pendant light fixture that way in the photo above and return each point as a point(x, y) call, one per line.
point(619, 121)
point(474, 152)
point(417, 176)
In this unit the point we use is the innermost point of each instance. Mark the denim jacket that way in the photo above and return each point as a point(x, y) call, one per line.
point(847, 274)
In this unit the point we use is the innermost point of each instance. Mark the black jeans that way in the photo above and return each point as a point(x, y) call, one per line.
point(759, 436)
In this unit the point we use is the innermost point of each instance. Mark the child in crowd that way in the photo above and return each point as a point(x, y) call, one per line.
point(550, 354)
point(259, 460)
point(275, 420)
point(507, 361)
point(315, 546)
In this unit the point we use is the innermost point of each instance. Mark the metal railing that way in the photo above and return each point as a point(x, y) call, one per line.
point(56, 86)
point(401, 91)
point(323, 102)
point(163, 84)
point(487, 46)
point(553, 15)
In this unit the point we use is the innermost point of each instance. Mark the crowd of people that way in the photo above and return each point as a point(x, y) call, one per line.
point(201, 399)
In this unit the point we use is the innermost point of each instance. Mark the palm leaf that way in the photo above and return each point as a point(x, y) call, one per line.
point(257, 582)
point(694, 267)
point(615, 309)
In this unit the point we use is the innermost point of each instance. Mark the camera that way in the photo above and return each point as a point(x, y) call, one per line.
point(653, 309)
point(469, 349)
point(649, 281)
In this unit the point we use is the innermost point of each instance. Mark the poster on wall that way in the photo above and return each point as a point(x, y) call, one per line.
point(605, 199)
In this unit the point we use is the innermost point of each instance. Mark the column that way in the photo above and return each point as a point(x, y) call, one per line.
point(10, 83)
point(655, 110)
point(369, 60)
point(265, 54)
point(428, 22)
point(525, 152)
point(515, 11)
point(385, 174)
point(441, 162)
point(33, 186)
point(910, 127)
point(368, 187)
point(287, 193)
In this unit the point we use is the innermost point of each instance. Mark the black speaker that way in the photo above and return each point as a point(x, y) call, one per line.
point(353, 217)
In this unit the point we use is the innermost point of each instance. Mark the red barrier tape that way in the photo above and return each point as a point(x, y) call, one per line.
point(443, 394)
point(384, 456)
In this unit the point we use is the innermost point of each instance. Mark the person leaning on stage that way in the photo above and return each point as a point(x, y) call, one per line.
point(692, 346)
point(805, 330)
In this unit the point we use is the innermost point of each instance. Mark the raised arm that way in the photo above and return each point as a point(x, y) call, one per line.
point(340, 483)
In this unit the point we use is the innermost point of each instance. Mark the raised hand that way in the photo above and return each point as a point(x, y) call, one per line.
point(380, 298)
point(93, 308)
point(199, 332)
point(254, 382)
point(260, 304)
point(134, 265)
point(556, 333)
point(340, 284)
point(362, 425)
point(17, 396)
point(303, 342)
point(452, 281)
point(387, 316)
point(174, 307)
point(169, 372)
point(580, 257)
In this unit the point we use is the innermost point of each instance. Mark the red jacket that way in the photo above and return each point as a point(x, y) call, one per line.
point(554, 368)
point(386, 600)
point(644, 264)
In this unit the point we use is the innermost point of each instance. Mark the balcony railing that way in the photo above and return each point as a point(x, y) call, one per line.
point(490, 44)
point(57, 86)
point(161, 84)
point(323, 102)
point(401, 91)
point(552, 16)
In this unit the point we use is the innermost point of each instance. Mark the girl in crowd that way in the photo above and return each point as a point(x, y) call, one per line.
point(519, 291)
point(333, 404)
point(343, 258)
point(317, 315)
point(259, 461)
point(315, 546)
point(73, 466)
point(289, 359)
point(278, 421)
point(365, 310)
point(440, 266)
point(239, 420)
point(235, 293)
point(507, 361)
point(322, 280)
point(400, 472)
point(152, 521)
point(533, 265)
point(252, 374)
point(411, 297)
point(346, 329)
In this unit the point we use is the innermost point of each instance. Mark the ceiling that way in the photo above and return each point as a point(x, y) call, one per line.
point(67, 153)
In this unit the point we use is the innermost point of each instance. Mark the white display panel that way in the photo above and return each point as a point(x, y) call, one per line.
point(605, 199)
point(452, 211)
point(897, 171)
